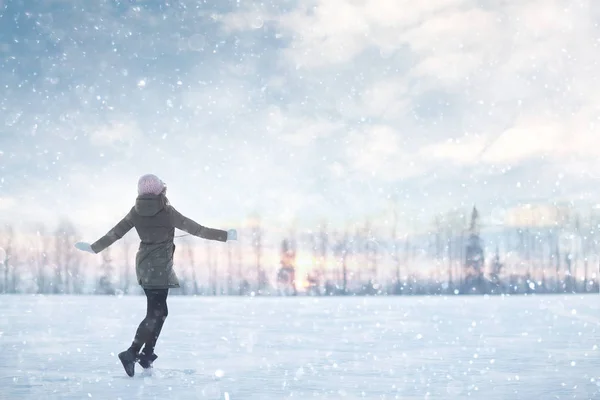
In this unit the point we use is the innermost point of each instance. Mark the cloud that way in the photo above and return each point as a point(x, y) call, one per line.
point(529, 138)
point(334, 32)
point(378, 153)
point(306, 133)
point(321, 33)
point(241, 21)
point(289, 128)
point(533, 137)
point(7, 203)
point(298, 110)
point(385, 98)
point(466, 150)
point(116, 133)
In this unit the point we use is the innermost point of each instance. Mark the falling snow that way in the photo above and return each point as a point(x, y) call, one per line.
point(443, 154)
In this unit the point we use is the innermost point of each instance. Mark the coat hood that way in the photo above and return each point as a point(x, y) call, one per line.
point(150, 205)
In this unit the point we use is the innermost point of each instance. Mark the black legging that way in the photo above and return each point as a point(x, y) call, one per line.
point(149, 330)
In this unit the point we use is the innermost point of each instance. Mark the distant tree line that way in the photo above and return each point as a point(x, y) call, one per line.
point(365, 259)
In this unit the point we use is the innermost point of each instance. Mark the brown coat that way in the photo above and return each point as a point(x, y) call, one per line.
point(155, 221)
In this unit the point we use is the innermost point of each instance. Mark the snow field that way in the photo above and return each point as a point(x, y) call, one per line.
point(475, 347)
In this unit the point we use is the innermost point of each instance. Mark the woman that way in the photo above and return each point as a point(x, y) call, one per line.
point(155, 221)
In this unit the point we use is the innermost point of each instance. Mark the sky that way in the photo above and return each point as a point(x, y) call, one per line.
point(300, 111)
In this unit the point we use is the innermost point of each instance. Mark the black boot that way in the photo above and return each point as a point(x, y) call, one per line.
point(128, 358)
point(146, 359)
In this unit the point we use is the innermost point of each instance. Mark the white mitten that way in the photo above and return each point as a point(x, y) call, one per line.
point(83, 246)
point(231, 234)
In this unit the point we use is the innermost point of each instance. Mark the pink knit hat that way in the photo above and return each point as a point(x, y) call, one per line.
point(150, 184)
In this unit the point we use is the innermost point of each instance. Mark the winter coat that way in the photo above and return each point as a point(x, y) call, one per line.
point(155, 221)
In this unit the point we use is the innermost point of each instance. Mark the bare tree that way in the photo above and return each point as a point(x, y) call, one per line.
point(438, 238)
point(557, 255)
point(449, 244)
point(211, 271)
point(58, 282)
point(77, 275)
point(257, 244)
point(358, 254)
point(126, 274)
point(105, 283)
point(192, 262)
point(241, 278)
point(395, 250)
point(9, 264)
point(323, 247)
point(229, 269)
point(41, 257)
point(218, 282)
point(15, 268)
point(407, 257)
point(370, 249)
point(344, 250)
point(67, 260)
point(314, 239)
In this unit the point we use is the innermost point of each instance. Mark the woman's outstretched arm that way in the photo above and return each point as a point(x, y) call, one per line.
point(193, 228)
point(116, 233)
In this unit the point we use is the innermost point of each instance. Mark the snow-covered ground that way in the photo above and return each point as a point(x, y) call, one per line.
point(544, 347)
